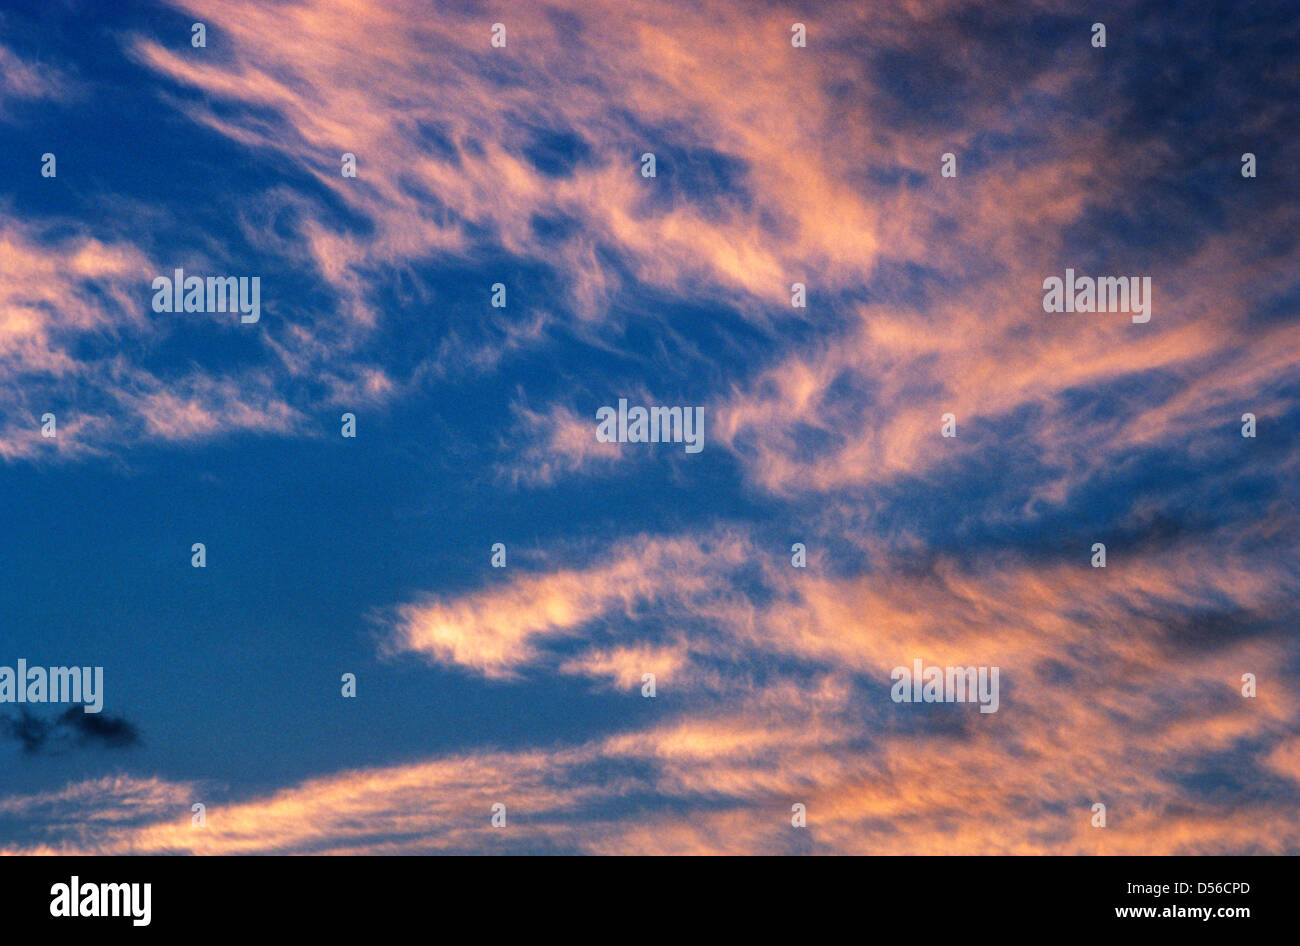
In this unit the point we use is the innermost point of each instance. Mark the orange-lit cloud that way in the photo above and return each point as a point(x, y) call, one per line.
point(1121, 685)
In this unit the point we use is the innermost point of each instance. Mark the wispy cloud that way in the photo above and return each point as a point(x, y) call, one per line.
point(775, 165)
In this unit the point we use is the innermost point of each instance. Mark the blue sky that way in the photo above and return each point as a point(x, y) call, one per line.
point(522, 685)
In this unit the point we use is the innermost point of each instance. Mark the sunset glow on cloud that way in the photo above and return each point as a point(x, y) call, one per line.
point(908, 460)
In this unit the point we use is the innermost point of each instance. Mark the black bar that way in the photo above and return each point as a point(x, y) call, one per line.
point(949, 896)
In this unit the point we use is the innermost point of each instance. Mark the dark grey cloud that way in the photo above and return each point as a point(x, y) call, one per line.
point(74, 729)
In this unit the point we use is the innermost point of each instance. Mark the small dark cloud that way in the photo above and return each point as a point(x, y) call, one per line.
point(112, 731)
point(26, 729)
point(74, 729)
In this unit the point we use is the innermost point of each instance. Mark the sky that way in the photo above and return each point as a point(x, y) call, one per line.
point(824, 425)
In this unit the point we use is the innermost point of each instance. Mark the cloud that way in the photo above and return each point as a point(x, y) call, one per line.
point(772, 171)
point(1119, 685)
point(72, 305)
point(74, 728)
point(995, 360)
point(721, 782)
point(1122, 685)
point(557, 442)
point(496, 631)
point(458, 158)
point(25, 81)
